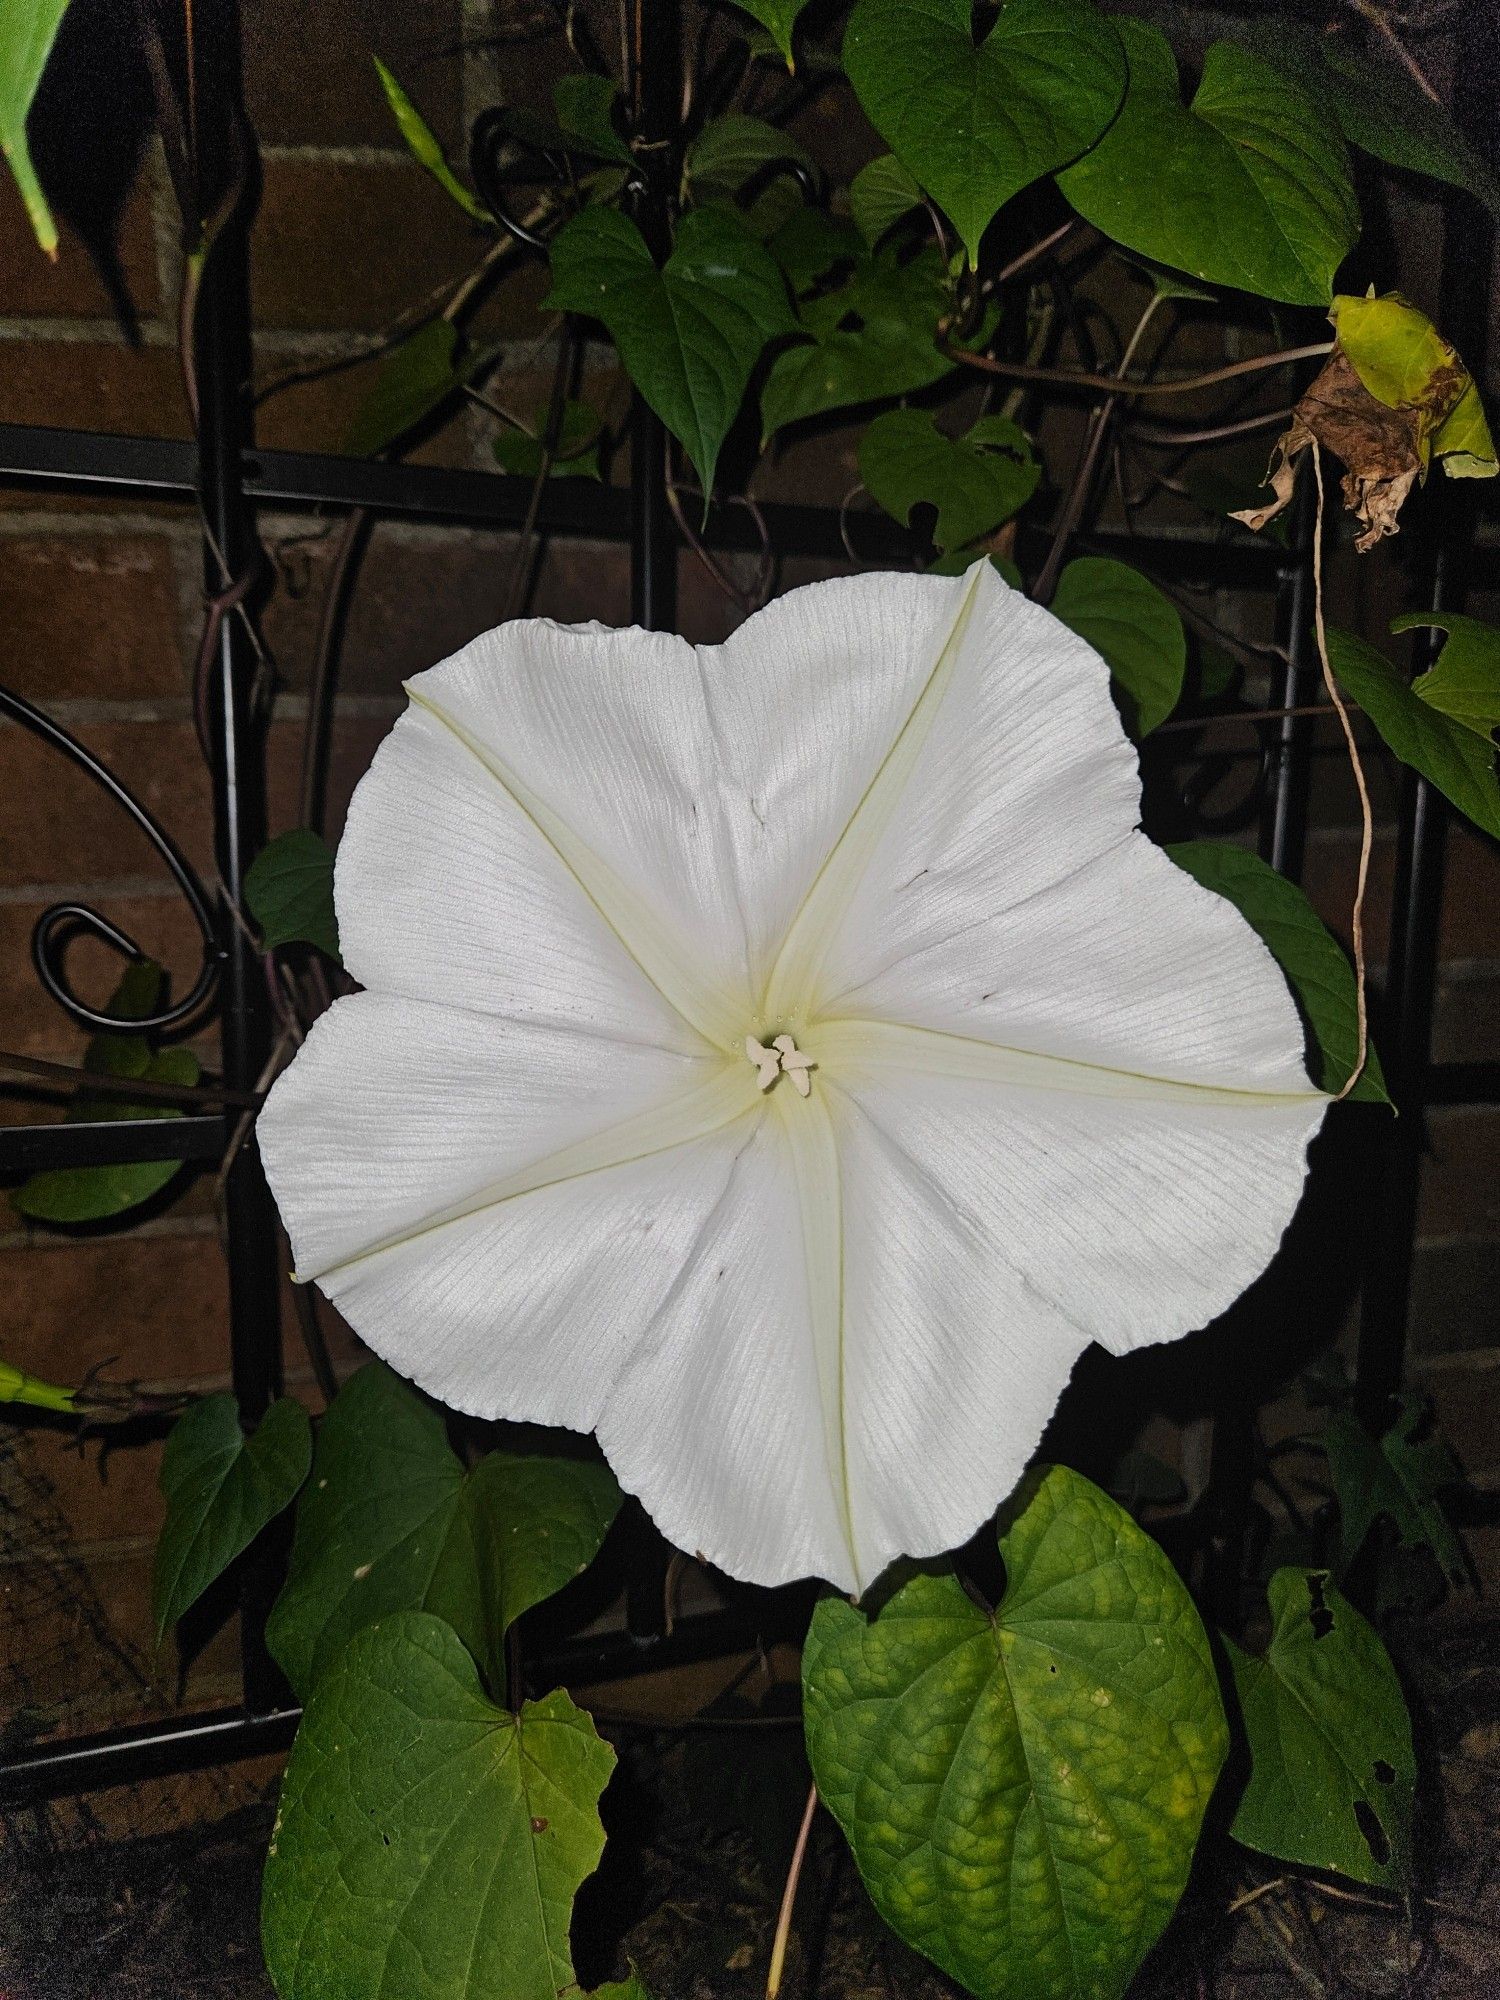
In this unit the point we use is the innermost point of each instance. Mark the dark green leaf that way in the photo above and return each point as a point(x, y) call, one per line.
point(688, 334)
point(91, 1194)
point(1452, 756)
point(429, 1845)
point(1315, 966)
point(1331, 1763)
point(410, 382)
point(734, 151)
point(976, 125)
point(1138, 631)
point(289, 892)
point(811, 243)
point(1398, 1477)
point(1375, 103)
point(586, 107)
point(221, 1489)
point(1464, 681)
point(422, 144)
point(873, 337)
point(577, 454)
point(27, 32)
point(1248, 187)
point(974, 482)
point(880, 195)
point(1000, 1778)
point(391, 1522)
point(778, 18)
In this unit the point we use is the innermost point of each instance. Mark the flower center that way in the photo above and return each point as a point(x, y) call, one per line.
point(780, 1058)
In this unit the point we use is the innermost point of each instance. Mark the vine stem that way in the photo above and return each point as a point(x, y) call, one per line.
point(1367, 828)
point(1083, 378)
point(789, 1897)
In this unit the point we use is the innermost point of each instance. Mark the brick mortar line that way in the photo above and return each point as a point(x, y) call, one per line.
point(1460, 1361)
point(312, 152)
point(161, 1228)
point(95, 712)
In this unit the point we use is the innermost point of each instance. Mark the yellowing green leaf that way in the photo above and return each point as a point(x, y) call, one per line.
point(1001, 1777)
point(1406, 364)
point(28, 28)
point(422, 144)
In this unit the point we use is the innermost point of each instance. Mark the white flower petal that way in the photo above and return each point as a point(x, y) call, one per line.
point(447, 891)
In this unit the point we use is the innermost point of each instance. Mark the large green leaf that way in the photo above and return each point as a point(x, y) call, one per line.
point(586, 110)
point(975, 125)
point(429, 1845)
point(1378, 106)
point(1331, 1763)
point(391, 1522)
point(91, 1194)
point(1023, 1790)
point(1399, 1477)
point(1314, 963)
point(28, 28)
point(422, 144)
point(1463, 683)
point(411, 381)
point(1136, 629)
point(734, 151)
point(778, 18)
point(1248, 187)
point(221, 1489)
point(880, 195)
point(289, 892)
point(1452, 755)
point(974, 482)
point(690, 333)
point(872, 337)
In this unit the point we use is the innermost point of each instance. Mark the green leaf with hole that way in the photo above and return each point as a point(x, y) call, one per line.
point(1463, 683)
point(429, 1844)
point(221, 1488)
point(1023, 1790)
point(577, 454)
point(880, 195)
point(1331, 1761)
point(1313, 961)
point(1246, 187)
point(587, 107)
point(1134, 626)
point(413, 380)
point(973, 482)
point(778, 18)
point(1449, 754)
point(422, 144)
point(289, 892)
point(975, 125)
point(92, 1194)
point(690, 333)
point(391, 1522)
point(872, 337)
point(28, 28)
point(1378, 106)
point(1398, 1477)
point(735, 152)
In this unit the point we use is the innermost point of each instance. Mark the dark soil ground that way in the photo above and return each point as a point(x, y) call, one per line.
point(701, 1823)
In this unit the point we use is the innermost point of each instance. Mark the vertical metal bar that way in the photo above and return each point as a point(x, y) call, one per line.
point(221, 362)
point(1405, 1018)
point(654, 88)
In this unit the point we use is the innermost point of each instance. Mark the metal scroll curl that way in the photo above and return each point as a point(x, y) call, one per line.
point(62, 922)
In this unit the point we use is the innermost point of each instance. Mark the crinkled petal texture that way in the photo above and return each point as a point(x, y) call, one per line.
point(1058, 1091)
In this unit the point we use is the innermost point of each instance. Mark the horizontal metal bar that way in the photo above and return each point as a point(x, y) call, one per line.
point(143, 1750)
point(105, 462)
point(109, 1142)
point(1462, 1083)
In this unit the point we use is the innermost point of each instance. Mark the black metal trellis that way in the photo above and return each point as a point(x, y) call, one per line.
point(227, 477)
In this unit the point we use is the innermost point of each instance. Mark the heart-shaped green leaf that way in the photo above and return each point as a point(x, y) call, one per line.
point(422, 144)
point(1315, 966)
point(586, 107)
point(410, 383)
point(90, 1194)
point(1464, 681)
point(1001, 1778)
point(428, 1844)
point(1248, 187)
point(577, 454)
point(1331, 1763)
point(1137, 630)
point(690, 333)
point(874, 336)
point(289, 892)
point(879, 195)
point(976, 125)
point(732, 153)
point(27, 31)
point(810, 243)
point(221, 1489)
point(391, 1522)
point(1400, 1477)
point(974, 482)
point(778, 18)
point(1450, 754)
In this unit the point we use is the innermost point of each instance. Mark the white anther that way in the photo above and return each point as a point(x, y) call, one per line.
point(782, 1058)
point(767, 1062)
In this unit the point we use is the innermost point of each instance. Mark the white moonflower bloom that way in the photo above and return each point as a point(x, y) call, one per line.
point(782, 1058)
